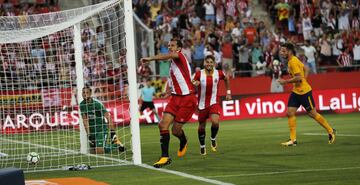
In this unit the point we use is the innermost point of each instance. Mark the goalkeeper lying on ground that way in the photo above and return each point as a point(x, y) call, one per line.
point(94, 113)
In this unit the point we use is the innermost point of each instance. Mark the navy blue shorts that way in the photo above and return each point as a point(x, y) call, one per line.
point(306, 100)
point(147, 104)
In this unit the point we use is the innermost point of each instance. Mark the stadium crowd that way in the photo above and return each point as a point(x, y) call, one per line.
point(50, 61)
point(326, 32)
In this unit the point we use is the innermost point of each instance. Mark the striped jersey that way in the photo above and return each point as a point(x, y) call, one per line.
point(208, 88)
point(180, 76)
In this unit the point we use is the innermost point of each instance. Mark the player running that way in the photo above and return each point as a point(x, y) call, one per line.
point(207, 81)
point(301, 95)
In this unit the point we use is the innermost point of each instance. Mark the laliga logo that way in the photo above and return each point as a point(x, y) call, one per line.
point(38, 120)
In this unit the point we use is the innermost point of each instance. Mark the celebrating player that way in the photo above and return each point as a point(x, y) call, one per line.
point(301, 95)
point(182, 103)
point(93, 113)
point(207, 81)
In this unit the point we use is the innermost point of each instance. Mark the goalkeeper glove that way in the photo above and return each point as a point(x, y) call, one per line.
point(114, 139)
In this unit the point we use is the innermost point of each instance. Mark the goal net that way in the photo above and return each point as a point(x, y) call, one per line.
point(45, 62)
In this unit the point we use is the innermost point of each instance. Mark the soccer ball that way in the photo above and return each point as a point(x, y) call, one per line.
point(276, 62)
point(33, 158)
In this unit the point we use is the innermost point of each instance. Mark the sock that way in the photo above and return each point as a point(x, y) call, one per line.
point(292, 127)
point(157, 117)
point(322, 121)
point(214, 131)
point(182, 139)
point(201, 135)
point(164, 142)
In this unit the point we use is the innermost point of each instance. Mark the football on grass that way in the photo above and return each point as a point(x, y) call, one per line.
point(33, 158)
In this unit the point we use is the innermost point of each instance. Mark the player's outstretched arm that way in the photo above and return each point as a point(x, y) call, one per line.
point(160, 57)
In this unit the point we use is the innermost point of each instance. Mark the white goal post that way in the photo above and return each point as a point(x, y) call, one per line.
point(45, 61)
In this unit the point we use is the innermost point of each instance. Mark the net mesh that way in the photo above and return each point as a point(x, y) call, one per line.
point(39, 83)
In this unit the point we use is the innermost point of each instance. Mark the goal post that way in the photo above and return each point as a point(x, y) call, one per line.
point(45, 61)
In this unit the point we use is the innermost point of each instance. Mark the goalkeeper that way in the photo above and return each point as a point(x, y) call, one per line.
point(97, 120)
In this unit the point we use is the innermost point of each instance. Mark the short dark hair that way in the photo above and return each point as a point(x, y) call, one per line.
point(178, 42)
point(211, 57)
point(87, 87)
point(289, 46)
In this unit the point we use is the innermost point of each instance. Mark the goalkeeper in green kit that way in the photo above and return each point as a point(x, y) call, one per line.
point(97, 122)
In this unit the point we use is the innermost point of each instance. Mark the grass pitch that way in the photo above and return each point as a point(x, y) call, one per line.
point(249, 152)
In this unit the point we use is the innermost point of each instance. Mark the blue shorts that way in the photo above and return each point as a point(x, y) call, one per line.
point(306, 100)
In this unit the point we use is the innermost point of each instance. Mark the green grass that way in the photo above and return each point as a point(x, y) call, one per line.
point(249, 153)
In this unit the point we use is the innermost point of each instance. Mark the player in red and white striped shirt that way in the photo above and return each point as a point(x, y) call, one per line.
point(182, 103)
point(207, 81)
point(344, 60)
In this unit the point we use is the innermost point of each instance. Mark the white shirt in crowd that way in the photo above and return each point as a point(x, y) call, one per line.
point(343, 22)
point(216, 54)
point(337, 45)
point(209, 9)
point(356, 52)
point(309, 52)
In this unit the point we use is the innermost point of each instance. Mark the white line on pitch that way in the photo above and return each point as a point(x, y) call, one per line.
point(199, 178)
point(66, 150)
point(285, 172)
point(324, 134)
point(203, 179)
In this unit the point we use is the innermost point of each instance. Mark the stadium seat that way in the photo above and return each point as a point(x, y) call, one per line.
point(11, 176)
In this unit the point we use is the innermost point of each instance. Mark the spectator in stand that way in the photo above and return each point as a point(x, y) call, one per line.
point(325, 50)
point(220, 13)
point(283, 10)
point(227, 53)
point(154, 10)
point(336, 46)
point(313, 38)
point(310, 54)
point(243, 65)
point(210, 50)
point(256, 57)
point(317, 22)
point(229, 24)
point(343, 20)
point(260, 67)
point(345, 60)
point(236, 31)
point(306, 26)
point(209, 11)
point(250, 31)
point(100, 37)
point(142, 10)
point(198, 53)
point(194, 20)
point(38, 53)
point(356, 54)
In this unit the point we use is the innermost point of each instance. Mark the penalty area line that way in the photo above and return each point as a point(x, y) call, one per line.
point(182, 174)
point(285, 172)
point(325, 134)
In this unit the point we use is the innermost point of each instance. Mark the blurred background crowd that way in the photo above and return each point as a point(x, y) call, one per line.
point(326, 33)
